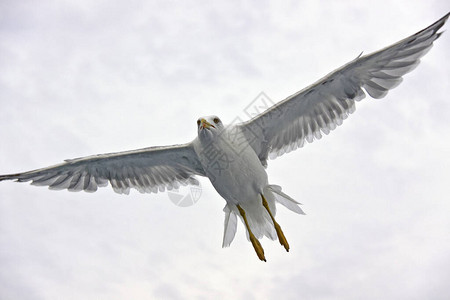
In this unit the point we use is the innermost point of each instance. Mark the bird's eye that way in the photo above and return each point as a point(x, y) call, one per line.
point(198, 122)
point(216, 120)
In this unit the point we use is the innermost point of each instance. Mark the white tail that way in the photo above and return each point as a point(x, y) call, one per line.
point(257, 216)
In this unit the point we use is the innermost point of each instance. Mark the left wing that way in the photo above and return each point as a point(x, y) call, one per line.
point(322, 106)
point(148, 170)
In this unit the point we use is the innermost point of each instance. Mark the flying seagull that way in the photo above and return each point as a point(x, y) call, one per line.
point(234, 157)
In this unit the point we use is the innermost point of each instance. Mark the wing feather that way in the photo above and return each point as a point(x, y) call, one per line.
point(147, 170)
point(321, 107)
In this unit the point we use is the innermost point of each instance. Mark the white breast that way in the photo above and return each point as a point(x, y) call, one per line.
point(232, 166)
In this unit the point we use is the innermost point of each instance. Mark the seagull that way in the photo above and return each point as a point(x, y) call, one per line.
point(234, 157)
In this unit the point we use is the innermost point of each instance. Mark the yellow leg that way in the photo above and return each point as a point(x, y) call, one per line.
point(280, 233)
point(258, 248)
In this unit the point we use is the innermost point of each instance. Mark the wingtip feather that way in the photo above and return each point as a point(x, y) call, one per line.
point(9, 177)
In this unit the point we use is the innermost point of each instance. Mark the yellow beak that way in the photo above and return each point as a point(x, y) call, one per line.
point(206, 124)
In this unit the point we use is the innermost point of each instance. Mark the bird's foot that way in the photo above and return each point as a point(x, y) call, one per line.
point(281, 237)
point(256, 244)
point(258, 248)
point(280, 233)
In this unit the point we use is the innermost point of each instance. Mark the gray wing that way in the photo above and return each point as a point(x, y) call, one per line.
point(148, 170)
point(319, 108)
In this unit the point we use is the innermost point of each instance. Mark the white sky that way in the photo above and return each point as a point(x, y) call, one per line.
point(79, 78)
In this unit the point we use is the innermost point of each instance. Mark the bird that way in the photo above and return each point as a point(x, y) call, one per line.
point(235, 157)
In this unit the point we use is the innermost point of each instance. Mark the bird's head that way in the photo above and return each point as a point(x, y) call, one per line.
point(209, 126)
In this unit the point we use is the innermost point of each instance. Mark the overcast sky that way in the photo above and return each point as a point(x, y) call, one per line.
point(80, 78)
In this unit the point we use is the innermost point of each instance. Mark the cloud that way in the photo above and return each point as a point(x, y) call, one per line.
point(80, 78)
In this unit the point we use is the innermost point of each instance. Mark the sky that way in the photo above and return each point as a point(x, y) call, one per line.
point(87, 77)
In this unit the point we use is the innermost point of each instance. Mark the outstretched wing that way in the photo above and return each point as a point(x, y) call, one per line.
point(148, 170)
point(319, 108)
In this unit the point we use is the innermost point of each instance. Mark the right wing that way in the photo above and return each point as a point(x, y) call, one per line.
point(148, 170)
point(319, 108)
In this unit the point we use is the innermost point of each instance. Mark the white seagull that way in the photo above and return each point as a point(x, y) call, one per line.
point(234, 157)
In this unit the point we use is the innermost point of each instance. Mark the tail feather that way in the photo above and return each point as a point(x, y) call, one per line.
point(258, 219)
point(285, 200)
point(230, 226)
